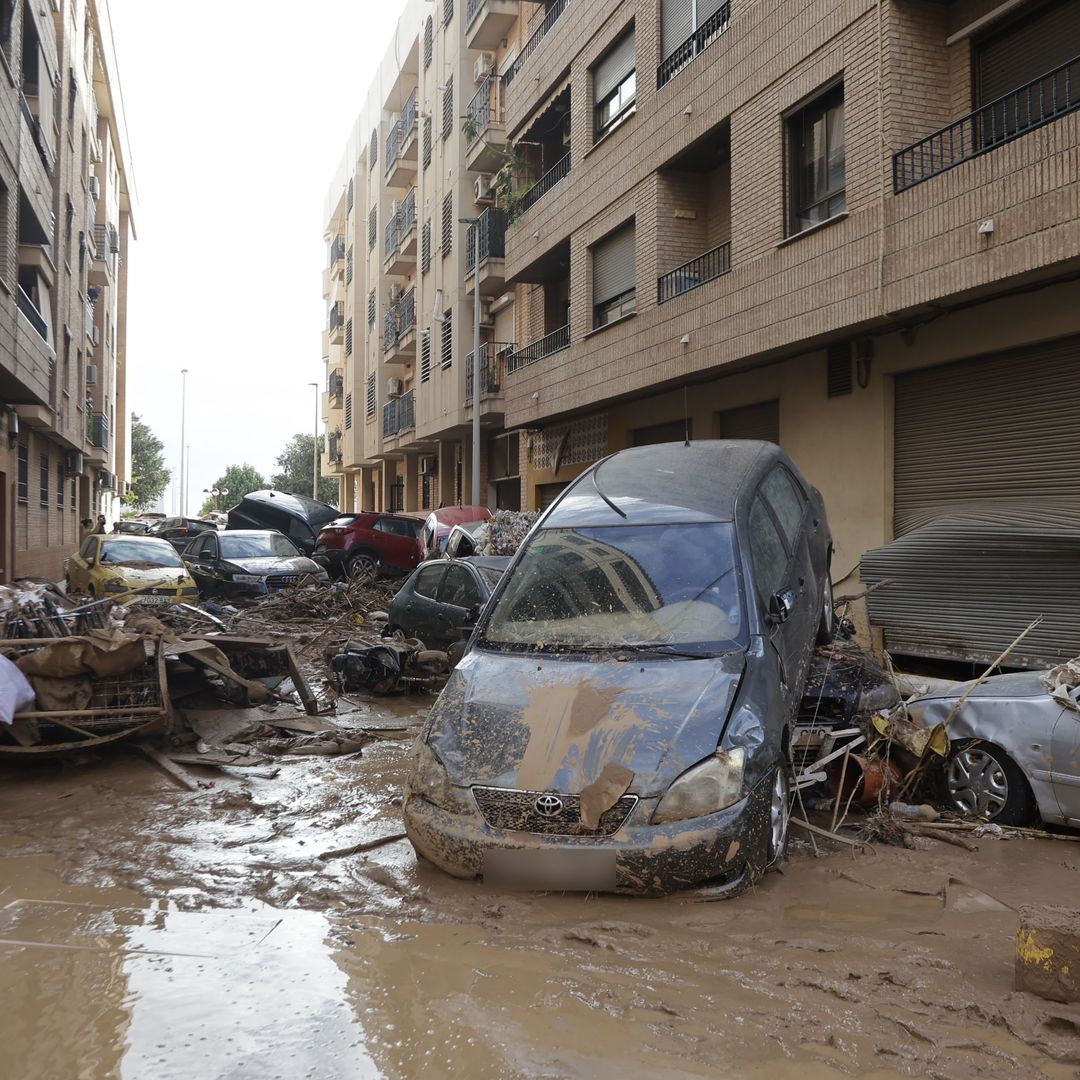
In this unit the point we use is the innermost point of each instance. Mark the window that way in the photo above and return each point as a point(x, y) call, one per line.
point(769, 553)
point(459, 589)
point(24, 473)
point(428, 580)
point(816, 166)
point(447, 12)
point(448, 224)
point(73, 503)
point(682, 19)
point(371, 310)
point(427, 141)
point(348, 337)
point(425, 356)
point(373, 150)
point(348, 411)
point(371, 403)
point(614, 281)
point(349, 266)
point(425, 248)
point(614, 87)
point(372, 226)
point(787, 502)
point(429, 42)
point(448, 108)
point(59, 486)
point(44, 481)
point(351, 198)
point(447, 357)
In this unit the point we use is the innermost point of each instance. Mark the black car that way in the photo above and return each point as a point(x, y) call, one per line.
point(247, 563)
point(180, 531)
point(301, 519)
point(622, 717)
point(443, 598)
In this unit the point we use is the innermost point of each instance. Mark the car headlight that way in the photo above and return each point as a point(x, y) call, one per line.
point(116, 586)
point(246, 579)
point(710, 786)
point(428, 777)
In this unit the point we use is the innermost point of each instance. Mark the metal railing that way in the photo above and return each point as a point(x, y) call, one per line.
point(715, 25)
point(994, 124)
point(101, 242)
point(337, 315)
point(484, 110)
point(492, 368)
point(333, 447)
point(89, 319)
point(393, 146)
point(538, 350)
point(492, 227)
point(337, 250)
point(473, 8)
point(391, 243)
point(399, 319)
point(409, 115)
point(533, 43)
point(545, 184)
point(29, 309)
point(407, 215)
point(399, 414)
point(695, 273)
point(97, 430)
point(335, 384)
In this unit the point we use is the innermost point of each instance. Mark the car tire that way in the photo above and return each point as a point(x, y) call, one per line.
point(981, 780)
point(827, 623)
point(362, 564)
point(778, 825)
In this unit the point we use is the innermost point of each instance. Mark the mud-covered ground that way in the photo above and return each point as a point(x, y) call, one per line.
point(148, 931)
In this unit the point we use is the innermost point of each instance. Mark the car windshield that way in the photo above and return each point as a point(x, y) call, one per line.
point(139, 553)
point(264, 546)
point(674, 586)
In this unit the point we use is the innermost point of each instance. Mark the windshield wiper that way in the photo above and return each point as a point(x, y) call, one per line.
point(638, 647)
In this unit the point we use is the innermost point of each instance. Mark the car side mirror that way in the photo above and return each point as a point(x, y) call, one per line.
point(781, 605)
point(472, 616)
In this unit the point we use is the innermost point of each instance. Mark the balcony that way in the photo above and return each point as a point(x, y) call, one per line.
point(399, 330)
point(337, 256)
point(542, 186)
point(334, 448)
point(711, 29)
point(336, 323)
point(485, 131)
point(542, 31)
point(488, 22)
point(401, 146)
point(400, 239)
point(492, 233)
point(399, 415)
point(992, 125)
point(695, 273)
point(33, 316)
point(335, 388)
point(103, 266)
point(97, 431)
point(538, 350)
point(492, 370)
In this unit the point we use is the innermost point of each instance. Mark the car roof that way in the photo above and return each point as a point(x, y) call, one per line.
point(251, 532)
point(311, 510)
point(486, 562)
point(457, 515)
point(135, 538)
point(665, 483)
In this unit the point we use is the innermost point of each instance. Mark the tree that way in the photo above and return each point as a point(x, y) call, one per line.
point(149, 476)
point(296, 462)
point(238, 480)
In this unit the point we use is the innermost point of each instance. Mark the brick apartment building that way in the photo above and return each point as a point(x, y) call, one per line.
point(849, 226)
point(65, 226)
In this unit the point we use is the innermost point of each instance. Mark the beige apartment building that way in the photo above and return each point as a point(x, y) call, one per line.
point(66, 223)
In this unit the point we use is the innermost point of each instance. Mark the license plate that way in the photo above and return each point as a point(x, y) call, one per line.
point(550, 870)
point(158, 601)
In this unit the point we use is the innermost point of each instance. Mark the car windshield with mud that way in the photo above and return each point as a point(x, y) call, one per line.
point(622, 719)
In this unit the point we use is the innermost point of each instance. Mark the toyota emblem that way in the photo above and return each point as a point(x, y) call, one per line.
point(549, 806)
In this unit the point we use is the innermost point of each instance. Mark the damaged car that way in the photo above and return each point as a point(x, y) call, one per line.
point(115, 565)
point(248, 562)
point(622, 718)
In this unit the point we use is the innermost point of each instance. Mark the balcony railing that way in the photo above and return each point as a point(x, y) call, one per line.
point(399, 415)
point(533, 43)
point(492, 229)
point(1040, 101)
point(538, 350)
point(97, 430)
point(545, 184)
point(695, 273)
point(90, 320)
point(335, 385)
point(484, 110)
point(492, 369)
point(473, 8)
point(333, 448)
point(391, 243)
point(29, 309)
point(337, 250)
point(695, 44)
point(407, 215)
point(393, 146)
point(337, 315)
point(408, 119)
point(399, 320)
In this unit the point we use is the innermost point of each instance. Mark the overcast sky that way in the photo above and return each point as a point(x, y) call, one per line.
point(238, 112)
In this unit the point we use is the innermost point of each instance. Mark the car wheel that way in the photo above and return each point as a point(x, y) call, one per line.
point(362, 564)
point(982, 780)
point(779, 816)
point(827, 625)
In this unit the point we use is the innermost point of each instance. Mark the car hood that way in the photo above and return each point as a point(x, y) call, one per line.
point(553, 724)
point(277, 565)
point(141, 578)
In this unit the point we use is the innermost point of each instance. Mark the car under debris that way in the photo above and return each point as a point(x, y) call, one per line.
point(623, 716)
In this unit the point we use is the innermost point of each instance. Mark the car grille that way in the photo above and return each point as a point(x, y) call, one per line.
point(516, 810)
point(169, 590)
point(279, 581)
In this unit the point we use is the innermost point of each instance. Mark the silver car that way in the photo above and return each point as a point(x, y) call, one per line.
point(1014, 749)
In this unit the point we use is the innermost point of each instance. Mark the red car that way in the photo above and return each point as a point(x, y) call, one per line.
point(366, 543)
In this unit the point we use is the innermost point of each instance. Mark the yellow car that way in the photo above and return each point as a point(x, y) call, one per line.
point(128, 566)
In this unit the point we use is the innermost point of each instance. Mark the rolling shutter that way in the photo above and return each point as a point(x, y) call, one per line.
point(1031, 46)
point(678, 23)
point(614, 68)
point(613, 266)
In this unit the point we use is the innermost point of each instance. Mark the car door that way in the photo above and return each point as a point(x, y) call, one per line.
point(195, 559)
point(459, 596)
point(1065, 761)
point(78, 571)
point(419, 613)
point(396, 543)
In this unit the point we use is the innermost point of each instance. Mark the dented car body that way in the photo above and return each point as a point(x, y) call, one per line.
point(621, 720)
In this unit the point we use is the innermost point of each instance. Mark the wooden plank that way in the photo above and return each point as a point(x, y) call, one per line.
point(311, 702)
point(181, 776)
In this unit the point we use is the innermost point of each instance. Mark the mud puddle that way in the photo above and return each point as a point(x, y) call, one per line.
point(147, 931)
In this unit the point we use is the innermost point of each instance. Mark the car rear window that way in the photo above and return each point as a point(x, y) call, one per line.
point(342, 522)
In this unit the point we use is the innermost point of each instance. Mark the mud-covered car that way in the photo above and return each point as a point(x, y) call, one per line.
point(248, 562)
point(622, 717)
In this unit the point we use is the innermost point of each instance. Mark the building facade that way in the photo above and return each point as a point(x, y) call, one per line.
point(66, 223)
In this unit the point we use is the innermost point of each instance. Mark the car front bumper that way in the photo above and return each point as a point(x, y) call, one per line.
point(727, 848)
point(331, 560)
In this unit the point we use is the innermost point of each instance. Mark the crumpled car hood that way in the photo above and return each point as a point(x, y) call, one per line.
point(277, 565)
point(141, 579)
point(553, 724)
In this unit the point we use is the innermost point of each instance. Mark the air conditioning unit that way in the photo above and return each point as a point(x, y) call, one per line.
point(484, 66)
point(108, 481)
point(484, 189)
point(394, 387)
point(75, 464)
point(95, 188)
point(91, 374)
point(487, 316)
point(95, 336)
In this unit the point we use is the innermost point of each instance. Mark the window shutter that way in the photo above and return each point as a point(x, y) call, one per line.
point(425, 356)
point(614, 68)
point(706, 9)
point(448, 224)
point(429, 38)
point(678, 24)
point(372, 226)
point(447, 357)
point(371, 401)
point(613, 266)
point(448, 108)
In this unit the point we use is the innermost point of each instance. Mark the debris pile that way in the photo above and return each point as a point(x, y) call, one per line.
point(31, 610)
point(505, 532)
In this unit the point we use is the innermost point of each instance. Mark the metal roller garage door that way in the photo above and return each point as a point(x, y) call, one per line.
point(987, 510)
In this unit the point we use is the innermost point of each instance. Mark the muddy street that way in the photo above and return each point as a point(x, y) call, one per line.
point(151, 931)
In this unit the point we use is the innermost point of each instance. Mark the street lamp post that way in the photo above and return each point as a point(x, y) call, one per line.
point(315, 447)
point(183, 436)
point(475, 222)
